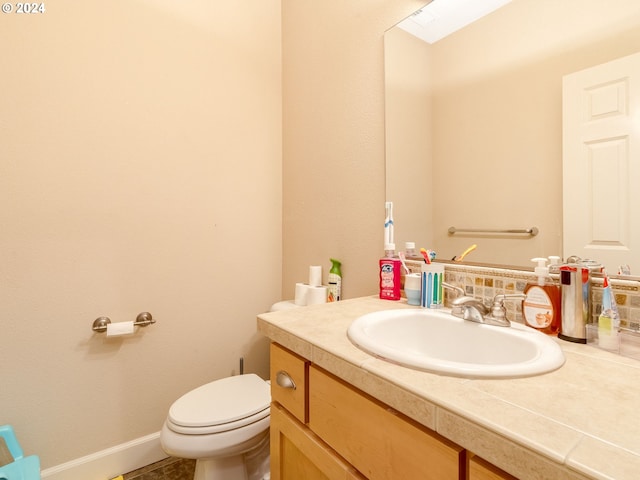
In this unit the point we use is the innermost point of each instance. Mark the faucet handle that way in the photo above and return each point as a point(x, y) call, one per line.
point(455, 288)
point(508, 296)
point(498, 311)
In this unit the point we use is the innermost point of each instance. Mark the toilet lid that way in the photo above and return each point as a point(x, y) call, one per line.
point(223, 401)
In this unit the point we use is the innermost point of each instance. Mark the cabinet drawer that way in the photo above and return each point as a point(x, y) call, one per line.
point(288, 374)
point(379, 442)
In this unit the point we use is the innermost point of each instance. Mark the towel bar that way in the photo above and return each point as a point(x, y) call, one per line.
point(533, 231)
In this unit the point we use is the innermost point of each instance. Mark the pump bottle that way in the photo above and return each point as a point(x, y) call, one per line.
point(541, 309)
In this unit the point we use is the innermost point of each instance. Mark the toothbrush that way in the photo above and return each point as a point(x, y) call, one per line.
point(388, 223)
point(425, 254)
point(402, 260)
point(468, 250)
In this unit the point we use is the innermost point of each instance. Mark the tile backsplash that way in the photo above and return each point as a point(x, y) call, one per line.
point(487, 282)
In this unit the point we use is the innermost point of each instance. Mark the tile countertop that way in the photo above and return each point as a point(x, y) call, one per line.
point(580, 421)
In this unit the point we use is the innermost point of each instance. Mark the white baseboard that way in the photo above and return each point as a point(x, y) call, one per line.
point(111, 462)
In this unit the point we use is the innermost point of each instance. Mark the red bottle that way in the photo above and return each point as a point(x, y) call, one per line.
point(390, 272)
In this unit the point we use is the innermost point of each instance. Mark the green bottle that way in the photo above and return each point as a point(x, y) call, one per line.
point(335, 281)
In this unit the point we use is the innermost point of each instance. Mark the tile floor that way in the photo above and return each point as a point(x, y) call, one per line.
point(167, 469)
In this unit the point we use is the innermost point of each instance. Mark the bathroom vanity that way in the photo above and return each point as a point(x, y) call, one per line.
point(314, 411)
point(338, 412)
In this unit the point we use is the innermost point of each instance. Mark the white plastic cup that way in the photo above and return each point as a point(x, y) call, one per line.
point(413, 288)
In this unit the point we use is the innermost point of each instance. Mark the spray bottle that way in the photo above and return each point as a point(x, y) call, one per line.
point(608, 320)
point(335, 281)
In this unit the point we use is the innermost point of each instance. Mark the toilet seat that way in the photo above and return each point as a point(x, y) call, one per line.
point(220, 406)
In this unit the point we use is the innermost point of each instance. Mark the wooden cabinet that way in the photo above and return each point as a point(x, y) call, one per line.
point(297, 453)
point(323, 428)
point(480, 469)
point(380, 442)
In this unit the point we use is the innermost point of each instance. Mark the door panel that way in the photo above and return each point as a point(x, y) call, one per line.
point(601, 157)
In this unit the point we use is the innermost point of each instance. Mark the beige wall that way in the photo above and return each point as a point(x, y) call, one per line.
point(497, 118)
point(408, 133)
point(333, 122)
point(140, 169)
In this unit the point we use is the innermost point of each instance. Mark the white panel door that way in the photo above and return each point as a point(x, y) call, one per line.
point(601, 164)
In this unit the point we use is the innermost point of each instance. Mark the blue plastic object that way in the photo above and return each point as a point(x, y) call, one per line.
point(22, 468)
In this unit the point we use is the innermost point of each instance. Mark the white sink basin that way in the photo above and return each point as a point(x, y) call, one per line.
point(436, 341)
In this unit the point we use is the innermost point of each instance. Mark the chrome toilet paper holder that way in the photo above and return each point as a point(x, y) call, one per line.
point(142, 320)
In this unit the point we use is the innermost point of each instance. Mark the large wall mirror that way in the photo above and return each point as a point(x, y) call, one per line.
point(474, 124)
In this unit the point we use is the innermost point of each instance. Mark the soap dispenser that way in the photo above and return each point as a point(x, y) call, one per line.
point(575, 281)
point(541, 309)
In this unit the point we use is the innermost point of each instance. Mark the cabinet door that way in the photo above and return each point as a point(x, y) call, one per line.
point(298, 454)
point(480, 469)
point(381, 443)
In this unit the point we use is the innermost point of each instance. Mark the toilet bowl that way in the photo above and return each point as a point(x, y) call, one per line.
point(224, 426)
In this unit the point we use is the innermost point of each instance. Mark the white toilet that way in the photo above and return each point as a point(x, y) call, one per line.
point(224, 425)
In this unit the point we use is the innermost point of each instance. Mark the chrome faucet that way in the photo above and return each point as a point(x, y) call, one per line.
point(470, 307)
point(459, 303)
point(474, 310)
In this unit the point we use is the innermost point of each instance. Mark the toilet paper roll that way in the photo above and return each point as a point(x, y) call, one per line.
point(120, 328)
point(316, 295)
point(300, 297)
point(315, 275)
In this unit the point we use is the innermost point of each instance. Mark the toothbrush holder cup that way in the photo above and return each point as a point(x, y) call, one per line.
point(432, 290)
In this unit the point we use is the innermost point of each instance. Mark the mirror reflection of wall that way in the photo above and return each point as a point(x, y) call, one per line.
point(480, 146)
